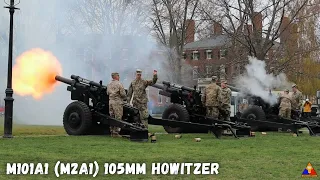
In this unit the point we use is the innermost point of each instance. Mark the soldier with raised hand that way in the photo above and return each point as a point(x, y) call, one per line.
point(137, 88)
point(285, 105)
point(117, 96)
point(225, 100)
point(211, 98)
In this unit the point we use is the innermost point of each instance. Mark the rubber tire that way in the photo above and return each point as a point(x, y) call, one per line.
point(259, 114)
point(85, 118)
point(182, 113)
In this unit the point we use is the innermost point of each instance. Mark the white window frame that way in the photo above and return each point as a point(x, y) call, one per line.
point(207, 54)
point(159, 96)
point(195, 55)
point(222, 53)
point(195, 72)
point(208, 67)
point(167, 100)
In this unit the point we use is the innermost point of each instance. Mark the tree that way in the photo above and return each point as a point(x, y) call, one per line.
point(254, 26)
point(170, 20)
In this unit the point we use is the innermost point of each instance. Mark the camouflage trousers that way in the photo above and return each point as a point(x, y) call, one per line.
point(144, 114)
point(225, 113)
point(285, 112)
point(116, 111)
point(213, 112)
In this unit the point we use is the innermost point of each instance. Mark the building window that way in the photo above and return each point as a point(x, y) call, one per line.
point(223, 53)
point(159, 97)
point(208, 70)
point(195, 55)
point(195, 73)
point(167, 100)
point(209, 54)
point(184, 55)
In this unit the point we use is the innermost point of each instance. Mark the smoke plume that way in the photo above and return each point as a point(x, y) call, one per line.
point(90, 38)
point(258, 82)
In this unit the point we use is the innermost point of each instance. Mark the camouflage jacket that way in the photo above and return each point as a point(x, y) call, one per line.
point(285, 101)
point(138, 90)
point(212, 95)
point(226, 97)
point(116, 92)
point(296, 99)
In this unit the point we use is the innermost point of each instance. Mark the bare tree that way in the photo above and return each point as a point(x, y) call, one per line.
point(254, 26)
point(170, 22)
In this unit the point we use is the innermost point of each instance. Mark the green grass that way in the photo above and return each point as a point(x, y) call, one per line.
point(271, 156)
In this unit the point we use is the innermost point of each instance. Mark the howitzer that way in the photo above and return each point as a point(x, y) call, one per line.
point(188, 108)
point(263, 116)
point(89, 113)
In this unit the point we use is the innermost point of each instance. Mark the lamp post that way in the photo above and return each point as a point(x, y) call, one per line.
point(9, 91)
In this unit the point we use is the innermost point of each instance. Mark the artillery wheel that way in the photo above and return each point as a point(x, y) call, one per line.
point(77, 118)
point(175, 112)
point(254, 113)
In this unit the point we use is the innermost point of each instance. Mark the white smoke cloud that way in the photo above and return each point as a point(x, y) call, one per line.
point(257, 81)
point(60, 27)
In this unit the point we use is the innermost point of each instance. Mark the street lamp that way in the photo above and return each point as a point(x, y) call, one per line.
point(9, 91)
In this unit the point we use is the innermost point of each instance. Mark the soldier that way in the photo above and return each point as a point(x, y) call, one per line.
point(212, 98)
point(225, 100)
point(117, 96)
point(138, 90)
point(285, 105)
point(296, 98)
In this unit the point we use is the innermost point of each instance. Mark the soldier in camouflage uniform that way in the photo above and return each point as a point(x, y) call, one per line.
point(117, 96)
point(296, 98)
point(225, 101)
point(138, 90)
point(285, 105)
point(212, 98)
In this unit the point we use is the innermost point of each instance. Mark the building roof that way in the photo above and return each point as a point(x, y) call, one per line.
point(216, 41)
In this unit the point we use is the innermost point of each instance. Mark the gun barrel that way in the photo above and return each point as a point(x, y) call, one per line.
point(187, 88)
point(64, 80)
point(83, 80)
point(158, 86)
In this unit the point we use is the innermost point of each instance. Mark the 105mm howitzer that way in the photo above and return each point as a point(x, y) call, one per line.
point(186, 106)
point(89, 113)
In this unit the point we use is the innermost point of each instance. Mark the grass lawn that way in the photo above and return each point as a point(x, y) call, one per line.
point(271, 156)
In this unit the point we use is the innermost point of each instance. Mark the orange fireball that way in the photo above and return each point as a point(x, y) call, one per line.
point(34, 73)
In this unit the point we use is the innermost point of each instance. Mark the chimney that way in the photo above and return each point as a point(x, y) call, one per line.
point(217, 28)
point(284, 29)
point(190, 31)
point(247, 30)
point(257, 22)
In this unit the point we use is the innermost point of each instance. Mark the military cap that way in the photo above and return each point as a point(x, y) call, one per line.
point(138, 71)
point(114, 74)
point(294, 85)
point(214, 78)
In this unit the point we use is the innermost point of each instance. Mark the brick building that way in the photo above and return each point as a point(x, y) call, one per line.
point(207, 55)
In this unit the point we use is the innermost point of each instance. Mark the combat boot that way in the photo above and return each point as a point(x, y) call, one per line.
point(115, 135)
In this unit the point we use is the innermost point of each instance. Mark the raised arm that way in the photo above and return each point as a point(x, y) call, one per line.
point(153, 81)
